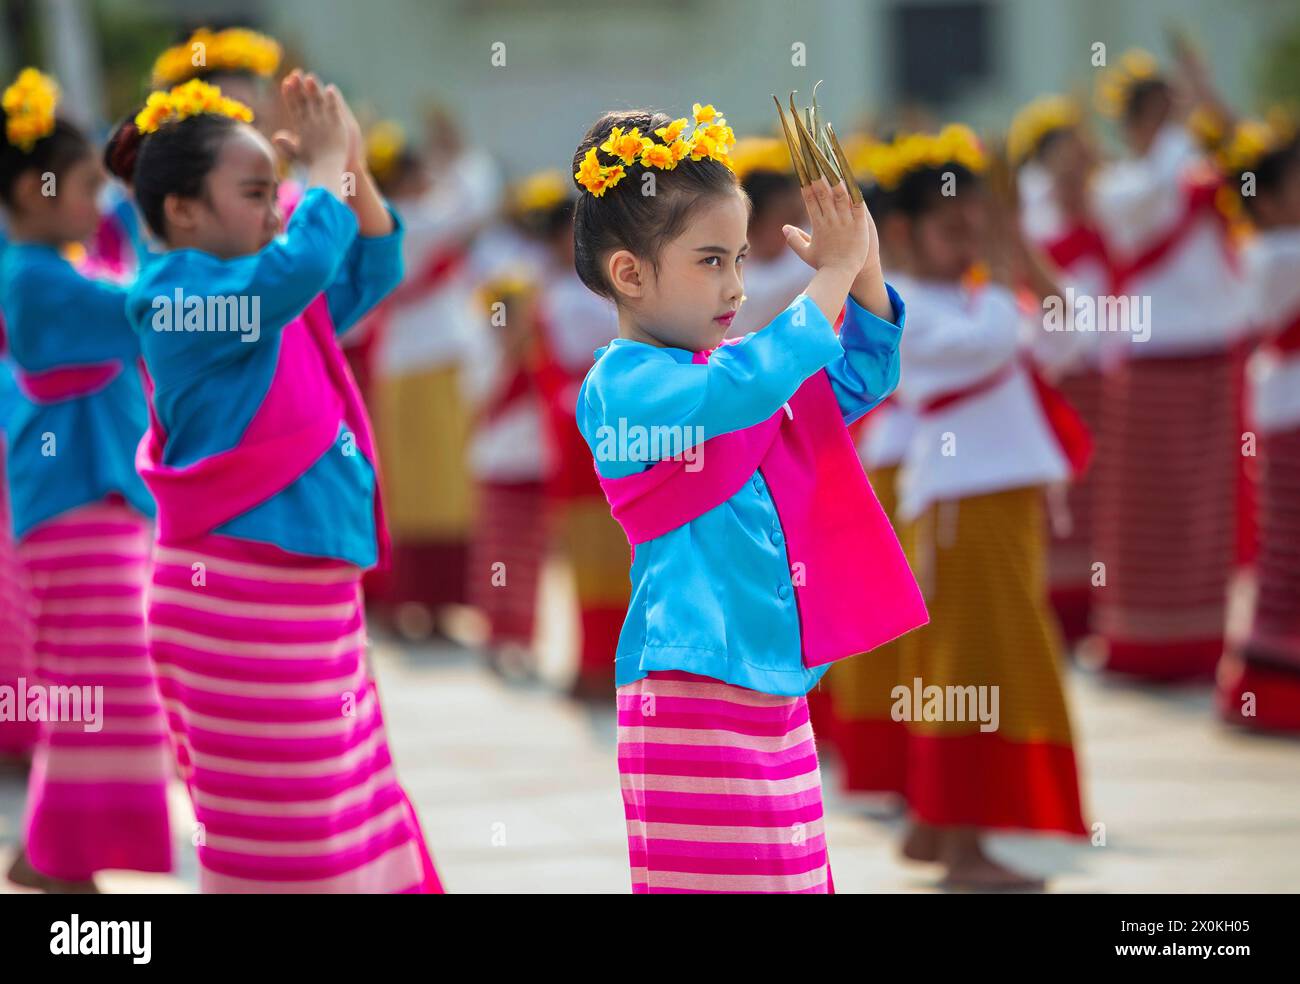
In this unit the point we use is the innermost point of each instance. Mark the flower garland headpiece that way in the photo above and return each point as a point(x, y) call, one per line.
point(1113, 86)
point(889, 163)
point(29, 108)
point(194, 98)
point(710, 138)
point(236, 49)
point(1035, 122)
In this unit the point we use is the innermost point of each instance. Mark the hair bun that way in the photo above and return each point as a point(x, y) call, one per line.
point(122, 149)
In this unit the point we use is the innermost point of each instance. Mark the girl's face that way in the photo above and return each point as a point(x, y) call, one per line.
point(237, 214)
point(690, 301)
point(1280, 208)
point(945, 238)
point(62, 210)
point(1069, 159)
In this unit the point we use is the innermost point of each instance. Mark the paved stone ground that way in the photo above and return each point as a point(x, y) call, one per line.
point(518, 792)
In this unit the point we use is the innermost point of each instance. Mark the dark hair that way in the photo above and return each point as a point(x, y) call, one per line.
point(63, 147)
point(624, 217)
point(764, 186)
point(1048, 140)
point(1141, 95)
point(173, 160)
point(921, 190)
point(880, 202)
point(1270, 171)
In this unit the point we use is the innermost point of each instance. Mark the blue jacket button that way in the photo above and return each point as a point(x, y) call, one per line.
point(777, 537)
point(783, 592)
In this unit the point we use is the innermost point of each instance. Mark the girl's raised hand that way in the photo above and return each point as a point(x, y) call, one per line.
point(843, 234)
point(318, 130)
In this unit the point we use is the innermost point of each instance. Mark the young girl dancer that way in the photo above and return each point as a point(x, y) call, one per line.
point(1054, 153)
point(97, 791)
point(1259, 685)
point(259, 454)
point(972, 481)
point(760, 554)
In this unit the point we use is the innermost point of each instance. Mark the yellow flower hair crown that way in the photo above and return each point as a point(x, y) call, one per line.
point(760, 154)
point(385, 142)
point(889, 163)
point(29, 109)
point(710, 138)
point(236, 49)
point(1035, 122)
point(193, 98)
point(1251, 141)
point(541, 192)
point(1114, 84)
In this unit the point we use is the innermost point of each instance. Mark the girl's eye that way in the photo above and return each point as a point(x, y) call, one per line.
point(740, 259)
point(713, 259)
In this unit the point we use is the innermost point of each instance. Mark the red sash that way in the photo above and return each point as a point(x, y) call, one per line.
point(1198, 203)
point(1287, 341)
point(1067, 426)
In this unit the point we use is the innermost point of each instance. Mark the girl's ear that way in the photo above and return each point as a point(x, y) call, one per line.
point(179, 212)
point(625, 273)
point(28, 191)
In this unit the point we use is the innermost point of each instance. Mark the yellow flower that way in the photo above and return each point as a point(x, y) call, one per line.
point(624, 145)
point(704, 114)
point(236, 49)
point(658, 155)
point(672, 131)
point(29, 108)
point(589, 170)
point(193, 98)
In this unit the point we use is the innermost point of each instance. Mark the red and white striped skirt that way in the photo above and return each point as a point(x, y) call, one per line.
point(277, 726)
point(1261, 686)
point(17, 738)
point(1166, 513)
point(506, 556)
point(97, 794)
point(721, 788)
point(1071, 553)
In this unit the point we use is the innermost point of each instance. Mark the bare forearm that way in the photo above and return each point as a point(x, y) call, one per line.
point(373, 218)
point(868, 291)
point(828, 289)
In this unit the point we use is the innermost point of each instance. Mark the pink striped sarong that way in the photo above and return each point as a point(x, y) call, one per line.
point(721, 788)
point(277, 726)
point(17, 738)
point(96, 799)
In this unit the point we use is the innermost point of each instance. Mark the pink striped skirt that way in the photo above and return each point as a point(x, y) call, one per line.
point(17, 738)
point(97, 794)
point(277, 726)
point(721, 788)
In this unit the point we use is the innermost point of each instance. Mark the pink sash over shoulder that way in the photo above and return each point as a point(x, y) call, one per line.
point(853, 586)
point(311, 392)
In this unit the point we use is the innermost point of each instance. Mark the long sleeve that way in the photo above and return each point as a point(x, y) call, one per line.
point(637, 385)
point(97, 307)
point(287, 274)
point(369, 272)
point(952, 344)
point(868, 369)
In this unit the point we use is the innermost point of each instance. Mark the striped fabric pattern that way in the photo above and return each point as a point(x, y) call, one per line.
point(96, 799)
point(1071, 554)
point(721, 789)
point(510, 531)
point(17, 738)
point(1166, 513)
point(277, 726)
point(1268, 667)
